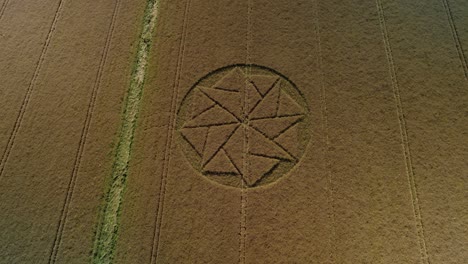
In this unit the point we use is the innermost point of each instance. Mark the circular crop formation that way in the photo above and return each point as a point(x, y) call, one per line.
point(243, 126)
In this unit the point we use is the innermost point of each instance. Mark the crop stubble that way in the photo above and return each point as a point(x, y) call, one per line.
point(44, 154)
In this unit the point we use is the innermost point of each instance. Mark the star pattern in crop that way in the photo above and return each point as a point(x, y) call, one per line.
point(243, 126)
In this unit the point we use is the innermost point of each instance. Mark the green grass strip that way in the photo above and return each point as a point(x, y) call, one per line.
point(107, 231)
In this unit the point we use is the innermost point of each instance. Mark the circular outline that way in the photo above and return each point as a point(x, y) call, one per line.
point(233, 66)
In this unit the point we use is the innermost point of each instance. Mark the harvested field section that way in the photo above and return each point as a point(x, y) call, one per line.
point(203, 224)
point(43, 168)
point(434, 95)
point(25, 31)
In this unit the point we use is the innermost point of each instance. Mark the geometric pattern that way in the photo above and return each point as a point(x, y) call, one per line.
point(243, 126)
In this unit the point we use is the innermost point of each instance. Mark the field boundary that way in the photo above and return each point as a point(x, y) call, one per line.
point(456, 38)
point(108, 223)
point(84, 136)
point(169, 136)
point(29, 90)
point(324, 116)
point(404, 137)
point(3, 7)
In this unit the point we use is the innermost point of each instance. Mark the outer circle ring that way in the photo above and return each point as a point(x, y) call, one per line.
point(228, 180)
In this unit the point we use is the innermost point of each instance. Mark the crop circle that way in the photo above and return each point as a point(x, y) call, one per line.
point(243, 125)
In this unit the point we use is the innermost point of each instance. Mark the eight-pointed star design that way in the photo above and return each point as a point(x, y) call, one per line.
point(243, 126)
